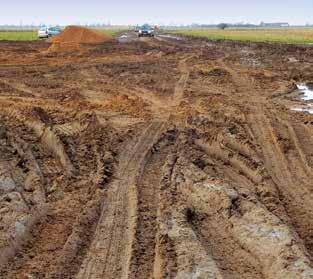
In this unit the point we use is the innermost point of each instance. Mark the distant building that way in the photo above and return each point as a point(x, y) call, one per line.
point(275, 24)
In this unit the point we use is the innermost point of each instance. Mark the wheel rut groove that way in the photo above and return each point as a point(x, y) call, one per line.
point(111, 247)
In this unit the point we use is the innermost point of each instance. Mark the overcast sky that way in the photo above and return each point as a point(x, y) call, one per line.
point(156, 12)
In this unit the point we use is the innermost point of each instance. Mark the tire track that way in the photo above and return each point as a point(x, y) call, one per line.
point(48, 137)
point(181, 84)
point(286, 170)
point(144, 245)
point(298, 201)
point(211, 223)
point(249, 241)
point(110, 252)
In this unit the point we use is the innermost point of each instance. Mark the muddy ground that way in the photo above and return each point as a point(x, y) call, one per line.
point(155, 158)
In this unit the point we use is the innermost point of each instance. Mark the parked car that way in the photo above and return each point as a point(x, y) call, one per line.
point(53, 31)
point(46, 32)
point(146, 31)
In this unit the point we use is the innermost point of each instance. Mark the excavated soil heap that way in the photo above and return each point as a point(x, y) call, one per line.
point(73, 36)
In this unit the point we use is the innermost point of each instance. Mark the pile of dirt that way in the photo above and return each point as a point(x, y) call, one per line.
point(73, 36)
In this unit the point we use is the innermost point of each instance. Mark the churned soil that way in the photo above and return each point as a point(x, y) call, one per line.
point(155, 158)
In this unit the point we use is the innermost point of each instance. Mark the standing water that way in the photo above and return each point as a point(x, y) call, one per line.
point(306, 95)
point(305, 109)
point(306, 91)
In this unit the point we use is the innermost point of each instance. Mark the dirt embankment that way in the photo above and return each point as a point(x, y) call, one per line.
point(73, 37)
point(155, 159)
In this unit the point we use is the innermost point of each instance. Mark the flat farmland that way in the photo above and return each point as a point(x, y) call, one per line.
point(22, 35)
point(18, 35)
point(281, 35)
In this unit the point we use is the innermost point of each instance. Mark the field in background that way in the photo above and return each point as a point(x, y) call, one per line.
point(282, 35)
point(31, 35)
point(112, 31)
point(18, 35)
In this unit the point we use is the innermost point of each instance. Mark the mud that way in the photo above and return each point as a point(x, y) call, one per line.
point(155, 158)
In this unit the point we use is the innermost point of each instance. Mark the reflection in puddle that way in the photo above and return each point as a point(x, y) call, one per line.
point(167, 36)
point(124, 38)
point(309, 110)
point(306, 94)
point(306, 91)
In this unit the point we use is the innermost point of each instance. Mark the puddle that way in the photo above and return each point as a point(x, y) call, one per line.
point(124, 38)
point(170, 37)
point(306, 109)
point(306, 92)
point(292, 60)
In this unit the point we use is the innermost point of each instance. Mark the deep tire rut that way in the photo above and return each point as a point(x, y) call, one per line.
point(110, 251)
point(144, 245)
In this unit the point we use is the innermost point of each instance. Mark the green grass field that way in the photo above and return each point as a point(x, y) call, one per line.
point(18, 35)
point(32, 35)
point(286, 35)
point(282, 35)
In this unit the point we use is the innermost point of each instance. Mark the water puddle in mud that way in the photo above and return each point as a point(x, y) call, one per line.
point(167, 36)
point(124, 38)
point(304, 109)
point(305, 91)
point(305, 94)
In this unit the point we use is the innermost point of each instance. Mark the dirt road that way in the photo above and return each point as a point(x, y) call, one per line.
point(155, 158)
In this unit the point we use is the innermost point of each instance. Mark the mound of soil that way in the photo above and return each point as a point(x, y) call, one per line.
point(73, 36)
point(81, 35)
point(63, 47)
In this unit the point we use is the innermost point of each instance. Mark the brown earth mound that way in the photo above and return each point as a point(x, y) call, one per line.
point(64, 47)
point(81, 35)
point(72, 36)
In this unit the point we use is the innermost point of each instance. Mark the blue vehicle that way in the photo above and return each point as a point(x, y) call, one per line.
point(54, 31)
point(146, 31)
point(46, 32)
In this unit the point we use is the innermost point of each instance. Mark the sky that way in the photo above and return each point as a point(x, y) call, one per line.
point(124, 12)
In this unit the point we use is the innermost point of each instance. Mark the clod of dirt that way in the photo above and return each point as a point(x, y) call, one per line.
point(73, 36)
point(216, 72)
point(216, 75)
